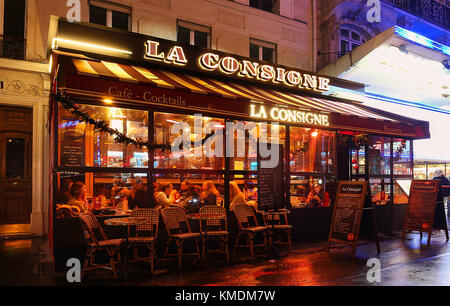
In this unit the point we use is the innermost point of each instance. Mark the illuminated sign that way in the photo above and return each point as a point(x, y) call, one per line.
point(242, 68)
point(288, 115)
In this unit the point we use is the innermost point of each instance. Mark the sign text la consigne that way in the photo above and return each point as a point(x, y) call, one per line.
point(229, 65)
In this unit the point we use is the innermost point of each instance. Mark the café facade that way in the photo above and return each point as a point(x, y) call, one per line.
point(142, 87)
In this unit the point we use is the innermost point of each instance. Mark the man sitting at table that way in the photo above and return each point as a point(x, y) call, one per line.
point(78, 199)
point(165, 196)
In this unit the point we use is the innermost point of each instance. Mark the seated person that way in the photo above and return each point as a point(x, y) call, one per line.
point(250, 191)
point(192, 201)
point(119, 192)
point(165, 195)
point(63, 195)
point(138, 196)
point(78, 197)
point(236, 195)
point(184, 189)
point(314, 199)
point(209, 194)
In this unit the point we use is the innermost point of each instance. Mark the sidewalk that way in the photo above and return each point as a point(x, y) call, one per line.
point(408, 262)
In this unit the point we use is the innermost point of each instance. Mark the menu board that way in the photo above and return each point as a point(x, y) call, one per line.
point(270, 182)
point(72, 144)
point(421, 206)
point(347, 212)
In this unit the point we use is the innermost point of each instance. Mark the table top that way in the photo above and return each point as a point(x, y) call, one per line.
point(126, 221)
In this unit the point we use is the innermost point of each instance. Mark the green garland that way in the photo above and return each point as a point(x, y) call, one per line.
point(102, 126)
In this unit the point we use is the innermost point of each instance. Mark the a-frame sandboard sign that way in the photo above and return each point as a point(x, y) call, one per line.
point(422, 208)
point(347, 214)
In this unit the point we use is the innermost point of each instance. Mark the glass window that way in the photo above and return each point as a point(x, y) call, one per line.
point(193, 34)
point(266, 5)
point(97, 15)
point(358, 162)
point(80, 145)
point(109, 14)
point(76, 191)
point(262, 50)
point(120, 20)
point(248, 187)
point(420, 171)
point(245, 143)
point(312, 150)
point(401, 190)
point(380, 189)
point(15, 158)
point(379, 155)
point(402, 156)
point(349, 40)
point(209, 156)
point(310, 191)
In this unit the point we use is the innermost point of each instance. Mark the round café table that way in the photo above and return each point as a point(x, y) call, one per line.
point(203, 218)
point(126, 223)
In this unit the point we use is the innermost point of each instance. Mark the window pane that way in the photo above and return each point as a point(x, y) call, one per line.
point(420, 171)
point(402, 157)
point(379, 156)
point(356, 36)
point(120, 20)
point(311, 150)
point(345, 46)
point(380, 189)
point(192, 190)
point(358, 162)
point(208, 156)
point(254, 51)
point(268, 54)
point(354, 46)
point(201, 39)
point(97, 15)
point(81, 145)
point(100, 193)
point(309, 192)
point(15, 158)
point(345, 32)
point(401, 191)
point(184, 35)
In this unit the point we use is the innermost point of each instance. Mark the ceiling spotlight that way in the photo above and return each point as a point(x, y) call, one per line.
point(402, 48)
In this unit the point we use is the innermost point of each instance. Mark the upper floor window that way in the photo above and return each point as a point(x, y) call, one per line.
point(266, 5)
point(12, 29)
point(349, 39)
point(263, 51)
point(110, 15)
point(193, 34)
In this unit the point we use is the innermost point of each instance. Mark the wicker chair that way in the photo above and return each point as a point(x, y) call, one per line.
point(96, 239)
point(216, 227)
point(278, 224)
point(146, 234)
point(178, 230)
point(248, 226)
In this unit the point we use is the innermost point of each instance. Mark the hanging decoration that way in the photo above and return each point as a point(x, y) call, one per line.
point(399, 150)
point(355, 142)
point(102, 126)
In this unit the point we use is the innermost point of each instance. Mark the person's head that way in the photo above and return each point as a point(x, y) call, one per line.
point(166, 188)
point(66, 184)
point(194, 191)
point(208, 187)
point(78, 190)
point(234, 190)
point(184, 185)
point(438, 173)
point(317, 188)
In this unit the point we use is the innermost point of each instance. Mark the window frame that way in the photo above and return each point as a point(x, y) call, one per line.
point(261, 44)
point(349, 39)
point(193, 28)
point(110, 7)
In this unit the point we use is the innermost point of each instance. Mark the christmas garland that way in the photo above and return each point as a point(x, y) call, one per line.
point(100, 125)
point(355, 142)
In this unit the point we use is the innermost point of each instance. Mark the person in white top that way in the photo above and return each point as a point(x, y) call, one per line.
point(166, 195)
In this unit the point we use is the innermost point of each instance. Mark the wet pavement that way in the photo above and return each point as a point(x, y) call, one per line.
point(408, 262)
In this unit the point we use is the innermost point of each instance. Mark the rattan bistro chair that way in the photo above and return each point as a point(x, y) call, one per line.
point(178, 230)
point(96, 240)
point(146, 234)
point(216, 227)
point(248, 226)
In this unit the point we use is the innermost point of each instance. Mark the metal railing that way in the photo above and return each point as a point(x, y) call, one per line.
point(12, 47)
point(429, 10)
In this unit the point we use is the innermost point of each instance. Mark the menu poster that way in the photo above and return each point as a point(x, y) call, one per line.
point(270, 183)
point(347, 212)
point(72, 144)
point(421, 206)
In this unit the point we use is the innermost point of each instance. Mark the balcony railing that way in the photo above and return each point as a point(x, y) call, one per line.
point(12, 47)
point(429, 10)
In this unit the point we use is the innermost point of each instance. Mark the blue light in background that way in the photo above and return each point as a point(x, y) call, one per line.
point(422, 40)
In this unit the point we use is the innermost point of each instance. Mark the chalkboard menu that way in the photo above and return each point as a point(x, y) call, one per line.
point(347, 212)
point(270, 181)
point(72, 144)
point(421, 206)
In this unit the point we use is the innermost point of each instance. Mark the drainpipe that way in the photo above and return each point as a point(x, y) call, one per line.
point(314, 35)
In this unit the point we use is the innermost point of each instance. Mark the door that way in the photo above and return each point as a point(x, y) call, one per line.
point(15, 165)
